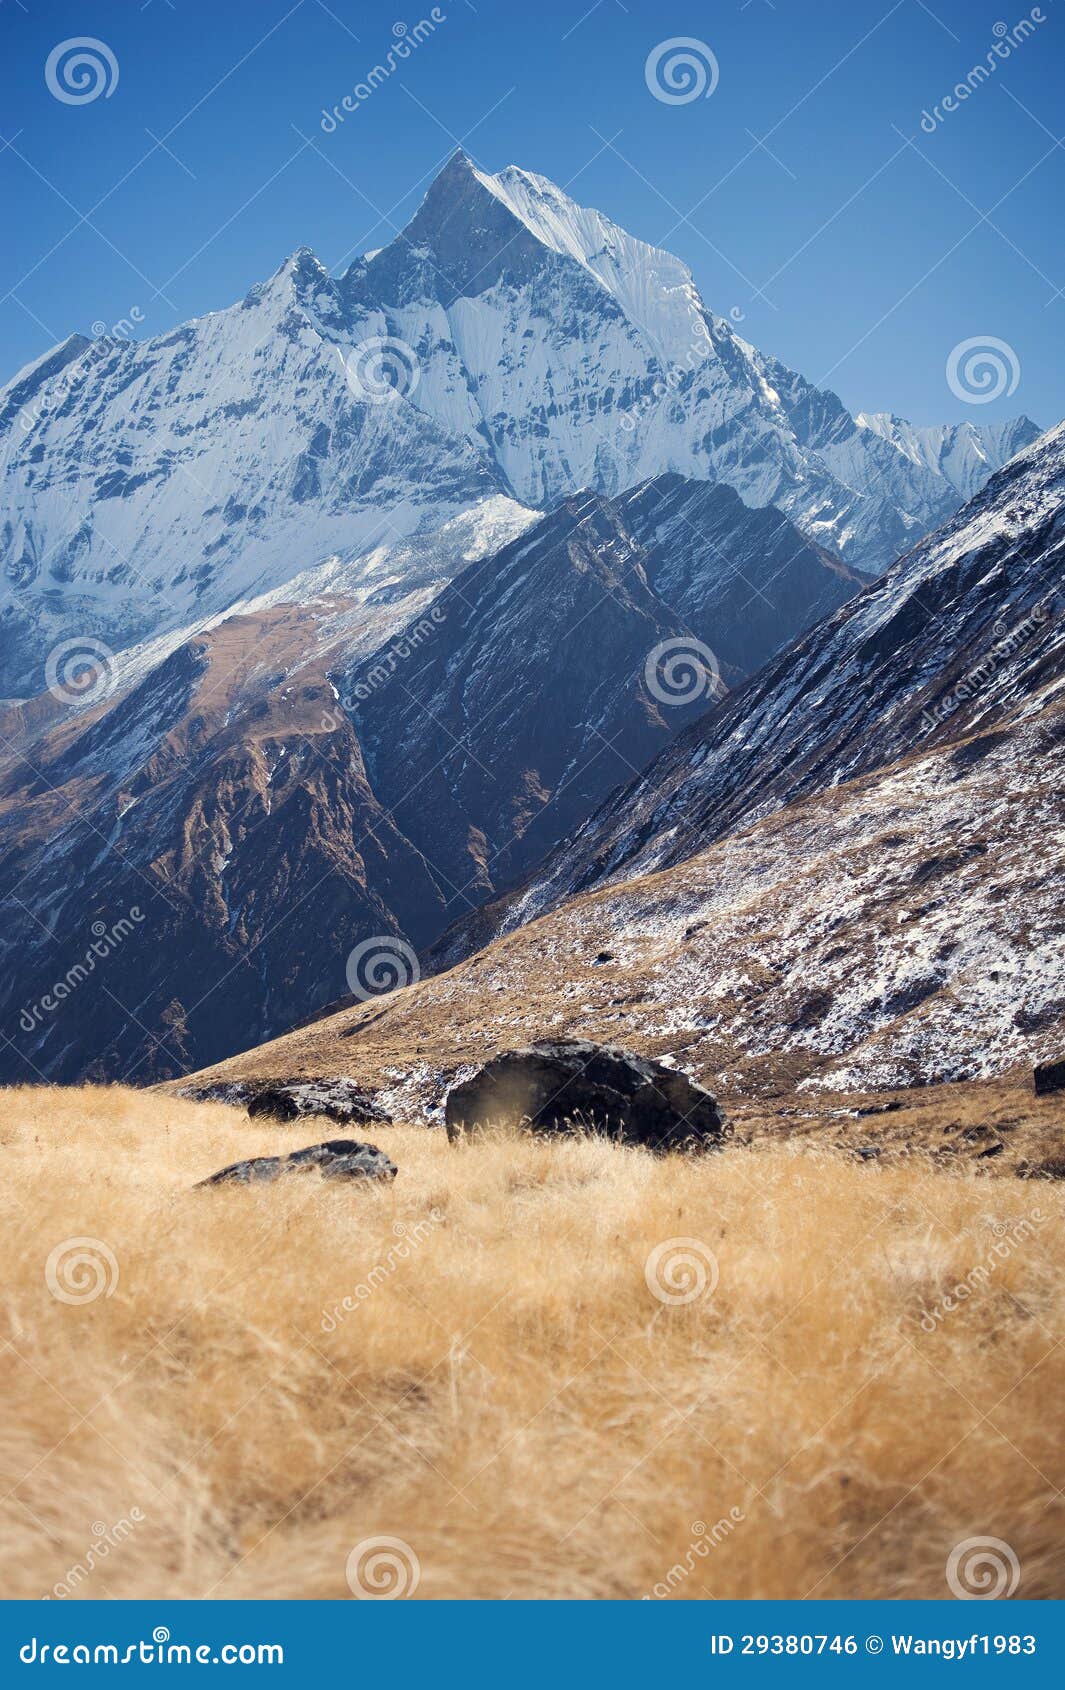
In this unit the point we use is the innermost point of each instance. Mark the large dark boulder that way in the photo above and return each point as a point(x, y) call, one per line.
point(339, 1100)
point(338, 1158)
point(573, 1085)
point(1049, 1077)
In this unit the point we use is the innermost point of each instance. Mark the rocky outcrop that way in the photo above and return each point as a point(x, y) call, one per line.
point(337, 1100)
point(1049, 1077)
point(337, 1159)
point(293, 1100)
point(574, 1086)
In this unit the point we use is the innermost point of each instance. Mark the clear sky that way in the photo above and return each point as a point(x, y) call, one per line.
point(804, 192)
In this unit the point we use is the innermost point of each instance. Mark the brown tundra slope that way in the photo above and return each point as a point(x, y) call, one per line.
point(172, 826)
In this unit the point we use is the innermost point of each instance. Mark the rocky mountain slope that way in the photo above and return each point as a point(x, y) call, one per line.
point(963, 629)
point(744, 580)
point(508, 344)
point(298, 778)
point(904, 928)
point(155, 853)
point(545, 676)
point(844, 878)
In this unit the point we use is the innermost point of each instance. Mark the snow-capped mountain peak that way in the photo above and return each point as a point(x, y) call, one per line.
point(530, 347)
point(655, 290)
point(965, 454)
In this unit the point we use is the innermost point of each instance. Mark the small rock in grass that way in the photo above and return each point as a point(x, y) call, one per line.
point(338, 1158)
point(1053, 1168)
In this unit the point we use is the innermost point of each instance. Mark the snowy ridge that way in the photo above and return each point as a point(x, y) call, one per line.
point(964, 453)
point(654, 289)
point(149, 485)
point(353, 595)
point(962, 631)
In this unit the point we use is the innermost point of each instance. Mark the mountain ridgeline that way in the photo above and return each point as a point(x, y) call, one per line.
point(300, 778)
point(429, 596)
point(509, 344)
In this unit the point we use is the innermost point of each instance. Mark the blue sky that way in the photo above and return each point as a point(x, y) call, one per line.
point(804, 193)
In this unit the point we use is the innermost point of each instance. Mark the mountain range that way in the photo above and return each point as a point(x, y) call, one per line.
point(421, 601)
point(962, 631)
point(303, 777)
point(844, 878)
point(509, 344)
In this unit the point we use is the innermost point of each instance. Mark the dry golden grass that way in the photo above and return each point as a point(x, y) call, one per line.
point(510, 1399)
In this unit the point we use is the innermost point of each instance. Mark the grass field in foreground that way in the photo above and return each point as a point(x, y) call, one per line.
point(561, 1370)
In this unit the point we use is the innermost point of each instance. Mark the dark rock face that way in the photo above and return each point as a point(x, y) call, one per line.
point(1049, 1077)
point(776, 582)
point(527, 702)
point(574, 1085)
point(526, 696)
point(337, 1100)
point(338, 1158)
